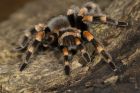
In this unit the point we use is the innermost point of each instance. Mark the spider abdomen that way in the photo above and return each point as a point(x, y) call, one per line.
point(58, 23)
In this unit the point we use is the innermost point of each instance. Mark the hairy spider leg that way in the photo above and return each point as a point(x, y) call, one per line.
point(104, 19)
point(91, 12)
point(32, 48)
point(68, 44)
point(25, 39)
point(83, 51)
point(106, 56)
point(71, 17)
point(67, 59)
point(50, 38)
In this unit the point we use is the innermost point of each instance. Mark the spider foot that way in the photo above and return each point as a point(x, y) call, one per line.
point(123, 24)
point(115, 68)
point(118, 71)
point(67, 70)
point(23, 66)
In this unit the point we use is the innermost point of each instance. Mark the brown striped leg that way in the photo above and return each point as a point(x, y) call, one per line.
point(32, 49)
point(105, 20)
point(67, 59)
point(83, 51)
point(106, 56)
point(25, 39)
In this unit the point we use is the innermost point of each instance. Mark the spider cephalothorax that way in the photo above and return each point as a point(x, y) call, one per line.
point(69, 33)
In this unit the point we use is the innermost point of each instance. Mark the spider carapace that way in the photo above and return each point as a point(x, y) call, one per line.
point(69, 33)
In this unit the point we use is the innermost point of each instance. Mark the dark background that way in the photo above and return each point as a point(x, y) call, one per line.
point(7, 7)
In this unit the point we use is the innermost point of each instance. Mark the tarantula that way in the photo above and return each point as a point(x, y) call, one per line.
point(69, 33)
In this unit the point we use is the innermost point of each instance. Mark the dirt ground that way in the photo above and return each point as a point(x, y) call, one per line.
point(45, 73)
